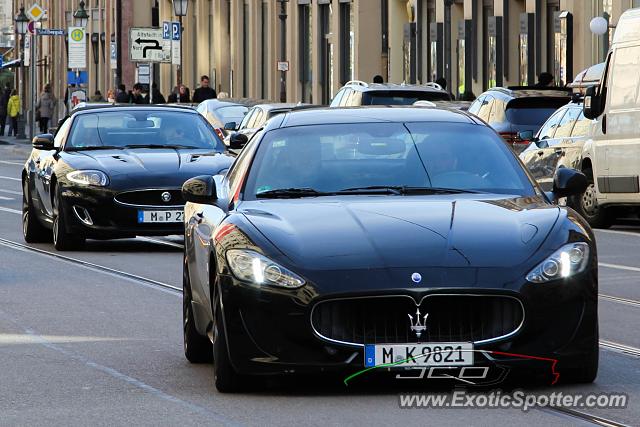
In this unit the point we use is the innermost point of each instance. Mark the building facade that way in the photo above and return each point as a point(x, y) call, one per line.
point(473, 44)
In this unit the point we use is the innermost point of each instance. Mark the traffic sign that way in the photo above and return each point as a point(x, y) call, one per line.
point(35, 12)
point(77, 57)
point(147, 45)
point(50, 32)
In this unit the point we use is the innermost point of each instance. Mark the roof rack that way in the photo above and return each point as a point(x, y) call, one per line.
point(434, 85)
point(357, 83)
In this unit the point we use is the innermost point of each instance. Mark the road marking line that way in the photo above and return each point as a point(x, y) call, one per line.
point(6, 162)
point(619, 267)
point(620, 300)
point(10, 178)
point(162, 242)
point(17, 193)
point(14, 211)
point(621, 348)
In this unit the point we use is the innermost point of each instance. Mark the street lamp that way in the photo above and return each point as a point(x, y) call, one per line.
point(80, 16)
point(180, 10)
point(283, 48)
point(22, 23)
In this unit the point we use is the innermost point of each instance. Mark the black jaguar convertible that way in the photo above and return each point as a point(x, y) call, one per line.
point(114, 172)
point(359, 241)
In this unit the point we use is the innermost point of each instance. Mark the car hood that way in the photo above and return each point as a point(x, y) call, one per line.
point(160, 164)
point(400, 232)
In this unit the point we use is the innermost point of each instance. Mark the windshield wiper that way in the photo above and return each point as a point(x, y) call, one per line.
point(174, 147)
point(291, 193)
point(402, 190)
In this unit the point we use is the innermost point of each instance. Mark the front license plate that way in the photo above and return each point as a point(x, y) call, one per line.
point(419, 355)
point(160, 216)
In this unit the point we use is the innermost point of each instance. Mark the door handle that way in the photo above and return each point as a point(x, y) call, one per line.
point(540, 153)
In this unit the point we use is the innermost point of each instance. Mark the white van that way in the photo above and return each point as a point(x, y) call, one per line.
point(612, 154)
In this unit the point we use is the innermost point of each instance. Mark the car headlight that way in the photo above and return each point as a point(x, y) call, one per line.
point(89, 177)
point(565, 262)
point(252, 267)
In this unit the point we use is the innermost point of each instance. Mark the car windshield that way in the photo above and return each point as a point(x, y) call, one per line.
point(149, 128)
point(397, 97)
point(333, 158)
point(232, 113)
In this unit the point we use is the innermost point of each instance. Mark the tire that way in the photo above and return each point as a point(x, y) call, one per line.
point(587, 205)
point(32, 229)
point(584, 373)
point(226, 379)
point(197, 348)
point(62, 239)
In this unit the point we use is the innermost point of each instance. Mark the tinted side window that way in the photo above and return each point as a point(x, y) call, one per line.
point(582, 126)
point(566, 124)
point(485, 109)
point(549, 128)
point(475, 105)
point(62, 133)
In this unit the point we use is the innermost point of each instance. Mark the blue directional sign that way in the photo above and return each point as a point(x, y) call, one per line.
point(77, 78)
point(50, 32)
point(166, 30)
point(175, 31)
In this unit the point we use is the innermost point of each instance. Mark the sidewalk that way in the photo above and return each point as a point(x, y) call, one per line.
point(12, 140)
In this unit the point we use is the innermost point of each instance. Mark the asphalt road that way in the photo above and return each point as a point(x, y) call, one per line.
point(95, 339)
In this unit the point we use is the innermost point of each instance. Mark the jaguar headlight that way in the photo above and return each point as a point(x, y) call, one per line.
point(253, 267)
point(89, 177)
point(565, 262)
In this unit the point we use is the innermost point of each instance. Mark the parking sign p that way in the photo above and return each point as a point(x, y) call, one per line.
point(166, 28)
point(175, 31)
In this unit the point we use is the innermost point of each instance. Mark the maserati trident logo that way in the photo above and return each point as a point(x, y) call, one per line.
point(418, 326)
point(166, 197)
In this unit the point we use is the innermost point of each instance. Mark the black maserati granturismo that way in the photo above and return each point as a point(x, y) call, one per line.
point(114, 172)
point(358, 241)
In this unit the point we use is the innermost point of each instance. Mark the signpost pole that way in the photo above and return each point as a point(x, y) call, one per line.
point(150, 83)
point(34, 94)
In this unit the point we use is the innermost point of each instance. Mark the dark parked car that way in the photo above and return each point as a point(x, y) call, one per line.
point(516, 109)
point(346, 239)
point(357, 93)
point(113, 172)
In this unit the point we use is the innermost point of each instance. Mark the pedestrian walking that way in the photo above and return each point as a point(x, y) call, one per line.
point(158, 98)
point(204, 92)
point(13, 110)
point(122, 97)
point(180, 95)
point(111, 96)
point(4, 100)
point(45, 107)
point(137, 96)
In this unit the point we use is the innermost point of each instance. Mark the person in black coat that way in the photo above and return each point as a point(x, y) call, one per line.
point(158, 98)
point(180, 95)
point(204, 92)
point(122, 97)
point(136, 95)
point(4, 100)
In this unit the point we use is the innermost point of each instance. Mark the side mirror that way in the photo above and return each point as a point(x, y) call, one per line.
point(591, 104)
point(569, 182)
point(526, 135)
point(237, 141)
point(230, 126)
point(201, 190)
point(43, 142)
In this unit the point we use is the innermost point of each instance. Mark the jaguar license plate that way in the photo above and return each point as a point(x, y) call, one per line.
point(419, 355)
point(161, 216)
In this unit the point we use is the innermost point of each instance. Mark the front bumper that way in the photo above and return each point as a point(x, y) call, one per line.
point(269, 331)
point(94, 213)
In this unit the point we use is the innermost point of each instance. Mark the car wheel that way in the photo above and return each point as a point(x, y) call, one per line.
point(584, 372)
point(227, 380)
point(197, 348)
point(32, 230)
point(62, 239)
point(587, 205)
